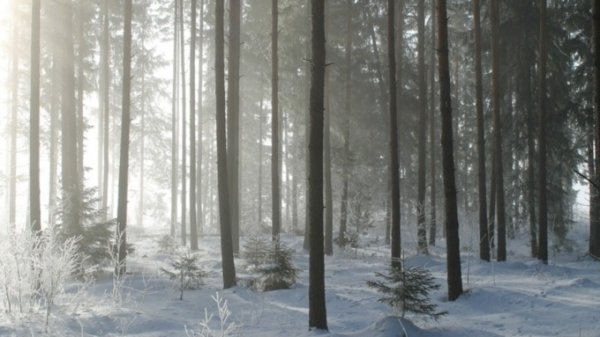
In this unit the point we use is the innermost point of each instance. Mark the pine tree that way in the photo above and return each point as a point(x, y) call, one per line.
point(275, 176)
point(233, 120)
point(34, 122)
point(543, 203)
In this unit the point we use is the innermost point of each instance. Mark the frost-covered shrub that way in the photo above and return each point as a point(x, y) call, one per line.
point(256, 251)
point(35, 269)
point(225, 327)
point(407, 290)
point(185, 271)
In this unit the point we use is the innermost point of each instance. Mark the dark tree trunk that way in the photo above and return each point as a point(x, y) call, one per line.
point(394, 160)
point(317, 313)
point(226, 237)
point(346, 126)
point(193, 223)
point(432, 174)
point(500, 209)
point(484, 244)
point(34, 122)
point(327, 152)
point(124, 155)
point(233, 121)
point(275, 176)
point(422, 134)
point(543, 204)
point(530, 154)
point(455, 288)
point(595, 224)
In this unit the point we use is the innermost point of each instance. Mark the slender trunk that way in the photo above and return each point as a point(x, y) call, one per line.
point(500, 208)
point(193, 205)
point(34, 122)
point(140, 220)
point(124, 155)
point(105, 92)
point(183, 125)
point(275, 173)
point(327, 162)
point(175, 120)
point(595, 223)
point(317, 313)
point(260, 164)
point(226, 237)
point(53, 158)
point(543, 204)
point(432, 137)
point(70, 179)
point(484, 244)
point(422, 134)
point(346, 126)
point(306, 243)
point(233, 121)
point(80, 84)
point(394, 158)
point(199, 152)
point(455, 288)
point(13, 129)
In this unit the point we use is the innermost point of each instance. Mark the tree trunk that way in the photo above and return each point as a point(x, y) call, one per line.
point(105, 93)
point(422, 138)
point(260, 164)
point(317, 313)
point(543, 204)
point(394, 160)
point(175, 120)
point(327, 152)
point(12, 207)
point(346, 126)
point(142, 112)
point(275, 176)
point(183, 126)
point(233, 121)
point(595, 224)
point(455, 288)
point(34, 122)
point(484, 244)
point(80, 93)
point(53, 158)
point(70, 179)
point(199, 152)
point(432, 174)
point(120, 269)
point(193, 223)
point(226, 238)
point(500, 211)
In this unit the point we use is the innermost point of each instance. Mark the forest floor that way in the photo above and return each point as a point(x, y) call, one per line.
point(521, 297)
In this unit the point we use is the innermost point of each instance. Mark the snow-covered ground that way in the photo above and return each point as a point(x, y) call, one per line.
point(521, 297)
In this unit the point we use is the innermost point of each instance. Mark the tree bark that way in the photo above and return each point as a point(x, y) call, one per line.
point(34, 122)
point(317, 313)
point(183, 129)
point(422, 138)
point(346, 125)
point(199, 152)
point(595, 223)
point(120, 269)
point(484, 244)
point(233, 121)
point(275, 173)
point(327, 152)
point(105, 93)
point(455, 288)
point(12, 185)
point(226, 238)
point(500, 208)
point(193, 223)
point(175, 120)
point(543, 204)
point(432, 170)
point(394, 160)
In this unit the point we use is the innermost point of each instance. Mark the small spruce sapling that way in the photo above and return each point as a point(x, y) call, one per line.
point(407, 290)
point(186, 271)
point(279, 272)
